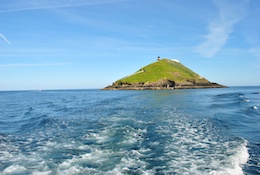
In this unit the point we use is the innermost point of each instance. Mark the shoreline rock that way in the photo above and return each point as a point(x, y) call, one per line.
point(162, 86)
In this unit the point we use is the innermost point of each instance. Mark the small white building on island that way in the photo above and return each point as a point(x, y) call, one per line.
point(175, 60)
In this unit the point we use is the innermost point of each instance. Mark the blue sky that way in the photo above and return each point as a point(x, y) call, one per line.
point(81, 44)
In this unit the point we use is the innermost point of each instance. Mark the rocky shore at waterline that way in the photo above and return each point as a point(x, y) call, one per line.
point(164, 85)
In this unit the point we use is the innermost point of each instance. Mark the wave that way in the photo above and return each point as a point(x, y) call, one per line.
point(181, 145)
point(105, 137)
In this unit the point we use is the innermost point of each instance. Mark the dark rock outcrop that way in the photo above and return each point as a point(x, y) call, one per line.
point(163, 84)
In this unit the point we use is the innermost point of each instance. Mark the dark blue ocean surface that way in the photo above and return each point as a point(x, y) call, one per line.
point(197, 131)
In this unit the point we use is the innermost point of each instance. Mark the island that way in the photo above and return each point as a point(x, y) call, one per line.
point(164, 74)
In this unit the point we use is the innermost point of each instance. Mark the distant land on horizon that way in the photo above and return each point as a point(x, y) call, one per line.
point(162, 75)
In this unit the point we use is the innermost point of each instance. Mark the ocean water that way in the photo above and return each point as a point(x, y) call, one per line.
point(182, 132)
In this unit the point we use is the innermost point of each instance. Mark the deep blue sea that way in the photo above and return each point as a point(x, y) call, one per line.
point(182, 132)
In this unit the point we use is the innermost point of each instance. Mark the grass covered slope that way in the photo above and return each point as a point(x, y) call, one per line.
point(166, 69)
point(163, 74)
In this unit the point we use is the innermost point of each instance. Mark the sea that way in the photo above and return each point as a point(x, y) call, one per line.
point(146, 132)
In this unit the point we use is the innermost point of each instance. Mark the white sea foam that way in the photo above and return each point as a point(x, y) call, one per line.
point(15, 169)
point(97, 137)
point(70, 171)
point(84, 147)
point(133, 135)
point(196, 149)
point(233, 163)
point(41, 173)
point(127, 160)
point(110, 135)
point(131, 164)
point(187, 147)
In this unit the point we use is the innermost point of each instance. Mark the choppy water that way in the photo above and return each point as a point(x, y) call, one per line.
point(199, 131)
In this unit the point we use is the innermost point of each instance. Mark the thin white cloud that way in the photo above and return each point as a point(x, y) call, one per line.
point(18, 5)
point(32, 65)
point(230, 13)
point(4, 38)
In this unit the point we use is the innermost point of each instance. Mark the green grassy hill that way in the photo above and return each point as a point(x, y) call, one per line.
point(163, 69)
